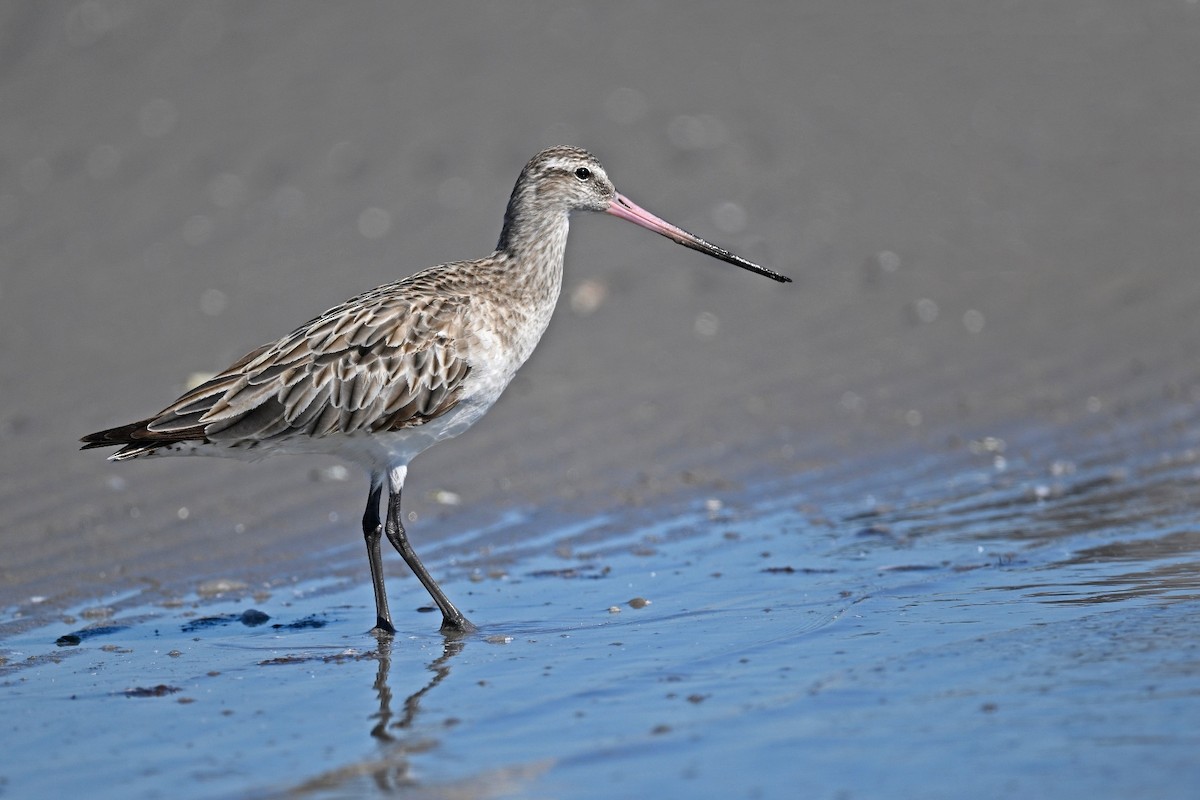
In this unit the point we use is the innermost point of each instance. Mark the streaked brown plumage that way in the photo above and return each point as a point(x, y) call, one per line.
point(385, 375)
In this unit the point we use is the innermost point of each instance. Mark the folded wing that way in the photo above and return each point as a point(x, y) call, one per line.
point(380, 362)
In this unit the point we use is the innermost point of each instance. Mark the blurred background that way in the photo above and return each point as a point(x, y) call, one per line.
point(989, 210)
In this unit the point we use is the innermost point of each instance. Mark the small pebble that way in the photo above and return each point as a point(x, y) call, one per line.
point(252, 617)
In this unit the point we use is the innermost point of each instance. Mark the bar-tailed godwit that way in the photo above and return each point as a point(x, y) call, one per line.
point(385, 375)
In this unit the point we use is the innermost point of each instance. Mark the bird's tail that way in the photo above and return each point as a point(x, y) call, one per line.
point(134, 439)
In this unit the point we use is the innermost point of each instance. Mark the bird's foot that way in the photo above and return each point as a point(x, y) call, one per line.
point(383, 627)
point(457, 626)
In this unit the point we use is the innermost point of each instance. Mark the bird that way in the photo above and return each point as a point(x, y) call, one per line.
point(385, 375)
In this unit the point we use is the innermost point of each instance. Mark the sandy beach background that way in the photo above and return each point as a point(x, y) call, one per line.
point(989, 210)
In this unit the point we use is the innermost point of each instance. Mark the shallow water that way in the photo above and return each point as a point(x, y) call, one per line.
point(1001, 625)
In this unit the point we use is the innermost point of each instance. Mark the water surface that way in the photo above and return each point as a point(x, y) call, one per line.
point(994, 625)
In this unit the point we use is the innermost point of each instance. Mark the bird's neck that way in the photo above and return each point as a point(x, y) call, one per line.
point(529, 264)
point(532, 253)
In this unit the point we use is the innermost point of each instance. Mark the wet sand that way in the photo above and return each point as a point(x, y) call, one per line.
point(989, 212)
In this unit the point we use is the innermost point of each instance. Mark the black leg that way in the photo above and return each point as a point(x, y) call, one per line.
point(372, 530)
point(452, 619)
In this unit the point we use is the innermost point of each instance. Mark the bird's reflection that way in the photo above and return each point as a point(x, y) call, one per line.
point(440, 667)
point(390, 771)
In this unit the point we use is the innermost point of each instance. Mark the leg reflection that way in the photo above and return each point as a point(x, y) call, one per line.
point(440, 667)
point(389, 771)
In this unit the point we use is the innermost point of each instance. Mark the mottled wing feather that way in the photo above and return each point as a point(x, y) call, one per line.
point(391, 359)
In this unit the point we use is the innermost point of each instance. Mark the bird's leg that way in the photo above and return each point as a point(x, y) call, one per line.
point(372, 531)
point(453, 620)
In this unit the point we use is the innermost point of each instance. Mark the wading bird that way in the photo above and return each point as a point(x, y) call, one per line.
point(385, 375)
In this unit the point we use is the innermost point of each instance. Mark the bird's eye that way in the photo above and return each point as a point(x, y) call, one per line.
point(583, 173)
